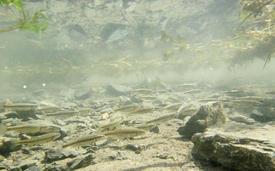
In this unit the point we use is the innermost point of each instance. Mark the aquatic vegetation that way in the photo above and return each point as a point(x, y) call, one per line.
point(35, 24)
point(256, 41)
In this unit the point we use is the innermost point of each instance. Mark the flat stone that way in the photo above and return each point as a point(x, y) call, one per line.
point(237, 146)
point(118, 90)
point(241, 119)
point(81, 162)
point(83, 93)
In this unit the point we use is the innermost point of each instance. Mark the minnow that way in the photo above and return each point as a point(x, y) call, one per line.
point(110, 126)
point(256, 98)
point(184, 108)
point(187, 86)
point(146, 127)
point(143, 91)
point(125, 133)
point(21, 106)
point(162, 118)
point(86, 140)
point(189, 112)
point(235, 92)
point(195, 91)
point(161, 91)
point(247, 102)
point(85, 111)
point(48, 108)
point(32, 128)
point(40, 139)
point(126, 107)
point(148, 97)
point(64, 113)
point(174, 106)
point(143, 110)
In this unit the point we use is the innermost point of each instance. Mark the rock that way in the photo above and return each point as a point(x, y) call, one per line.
point(15, 168)
point(258, 116)
point(36, 148)
point(155, 129)
point(83, 93)
point(27, 115)
point(33, 168)
point(57, 6)
point(26, 151)
point(53, 155)
point(27, 164)
point(60, 154)
point(8, 145)
point(107, 155)
point(118, 90)
point(39, 93)
point(81, 126)
point(136, 99)
point(163, 156)
point(81, 162)
point(135, 147)
point(207, 115)
point(241, 119)
point(68, 153)
point(234, 145)
point(56, 167)
point(68, 93)
point(11, 115)
point(112, 32)
point(59, 122)
point(268, 112)
point(89, 12)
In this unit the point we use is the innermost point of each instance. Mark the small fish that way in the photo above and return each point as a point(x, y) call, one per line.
point(189, 112)
point(143, 110)
point(146, 127)
point(21, 106)
point(65, 113)
point(85, 111)
point(112, 125)
point(48, 108)
point(161, 91)
point(40, 139)
point(126, 107)
point(174, 106)
point(208, 100)
point(8, 112)
point(256, 98)
point(125, 133)
point(271, 92)
point(162, 118)
point(247, 102)
point(195, 91)
point(148, 97)
point(235, 92)
point(186, 86)
point(32, 128)
point(86, 140)
point(143, 91)
point(184, 108)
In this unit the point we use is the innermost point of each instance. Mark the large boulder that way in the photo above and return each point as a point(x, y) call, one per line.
point(237, 146)
point(207, 115)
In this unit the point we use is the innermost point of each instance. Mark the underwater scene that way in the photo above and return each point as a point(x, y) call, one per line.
point(137, 85)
